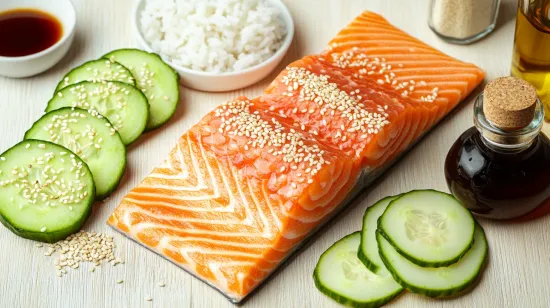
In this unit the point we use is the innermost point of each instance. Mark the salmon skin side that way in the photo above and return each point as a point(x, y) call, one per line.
point(255, 178)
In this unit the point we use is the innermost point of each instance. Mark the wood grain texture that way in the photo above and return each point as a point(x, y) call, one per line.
point(518, 274)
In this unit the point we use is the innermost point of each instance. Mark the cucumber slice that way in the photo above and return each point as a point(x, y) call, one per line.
point(91, 137)
point(428, 227)
point(95, 71)
point(368, 249)
point(436, 282)
point(46, 191)
point(342, 277)
point(157, 80)
point(122, 104)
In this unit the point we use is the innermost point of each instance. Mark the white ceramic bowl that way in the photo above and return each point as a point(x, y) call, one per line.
point(220, 82)
point(38, 62)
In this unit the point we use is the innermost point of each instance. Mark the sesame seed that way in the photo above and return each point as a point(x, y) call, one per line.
point(161, 284)
point(318, 89)
point(83, 247)
point(119, 281)
point(289, 145)
point(148, 299)
point(43, 229)
point(366, 65)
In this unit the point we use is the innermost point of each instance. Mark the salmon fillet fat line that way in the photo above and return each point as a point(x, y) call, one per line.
point(249, 183)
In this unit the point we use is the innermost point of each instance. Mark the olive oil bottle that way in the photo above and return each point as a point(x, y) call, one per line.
point(531, 56)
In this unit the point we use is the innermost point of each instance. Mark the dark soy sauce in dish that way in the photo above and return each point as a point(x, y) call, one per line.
point(25, 32)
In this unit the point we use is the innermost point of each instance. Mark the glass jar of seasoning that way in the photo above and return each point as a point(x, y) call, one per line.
point(500, 168)
point(463, 21)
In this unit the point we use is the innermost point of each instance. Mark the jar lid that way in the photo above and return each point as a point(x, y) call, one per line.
point(509, 103)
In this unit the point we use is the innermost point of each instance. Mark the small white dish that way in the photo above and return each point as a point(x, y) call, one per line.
point(64, 11)
point(221, 82)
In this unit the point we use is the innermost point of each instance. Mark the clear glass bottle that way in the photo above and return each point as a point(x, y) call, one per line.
point(531, 56)
point(501, 174)
point(463, 21)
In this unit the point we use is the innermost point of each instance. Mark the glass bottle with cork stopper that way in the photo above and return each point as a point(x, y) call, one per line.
point(500, 168)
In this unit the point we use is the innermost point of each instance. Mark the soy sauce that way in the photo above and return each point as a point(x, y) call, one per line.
point(27, 31)
point(497, 185)
point(500, 168)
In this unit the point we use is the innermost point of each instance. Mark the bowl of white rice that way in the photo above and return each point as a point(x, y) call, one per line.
point(216, 45)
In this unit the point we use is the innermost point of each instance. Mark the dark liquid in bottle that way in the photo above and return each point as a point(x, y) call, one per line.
point(500, 185)
point(26, 31)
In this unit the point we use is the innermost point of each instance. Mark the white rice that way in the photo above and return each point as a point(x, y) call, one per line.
point(213, 35)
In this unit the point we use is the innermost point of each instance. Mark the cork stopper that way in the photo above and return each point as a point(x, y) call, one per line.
point(509, 103)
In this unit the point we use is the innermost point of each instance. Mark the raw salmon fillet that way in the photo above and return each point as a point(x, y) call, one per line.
point(249, 183)
point(235, 196)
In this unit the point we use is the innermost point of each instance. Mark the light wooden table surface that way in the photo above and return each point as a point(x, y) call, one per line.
point(518, 274)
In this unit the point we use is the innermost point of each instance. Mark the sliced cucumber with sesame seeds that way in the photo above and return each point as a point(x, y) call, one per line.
point(157, 80)
point(429, 228)
point(340, 275)
point(97, 70)
point(46, 191)
point(122, 104)
point(85, 132)
point(441, 281)
point(368, 250)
